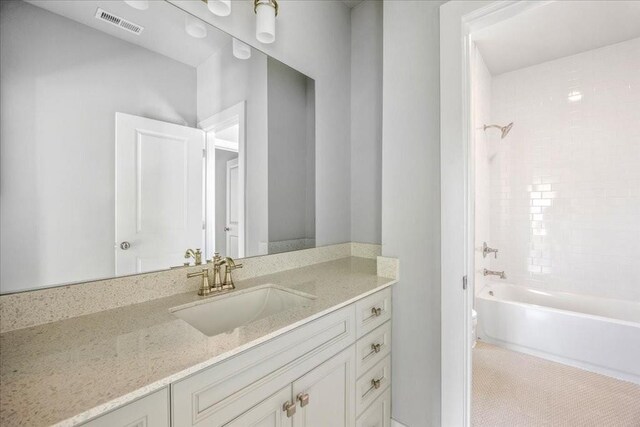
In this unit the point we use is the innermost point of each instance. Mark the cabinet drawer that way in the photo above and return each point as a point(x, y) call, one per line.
point(218, 394)
point(372, 348)
point(373, 311)
point(379, 413)
point(372, 384)
point(149, 411)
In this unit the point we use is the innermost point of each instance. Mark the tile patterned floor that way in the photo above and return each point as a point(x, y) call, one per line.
point(516, 390)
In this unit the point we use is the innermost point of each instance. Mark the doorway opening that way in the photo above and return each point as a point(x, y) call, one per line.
point(225, 177)
point(533, 151)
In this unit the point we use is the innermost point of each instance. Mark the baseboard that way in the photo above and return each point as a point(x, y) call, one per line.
point(395, 423)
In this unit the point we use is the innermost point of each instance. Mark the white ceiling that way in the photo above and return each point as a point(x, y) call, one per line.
point(556, 30)
point(164, 27)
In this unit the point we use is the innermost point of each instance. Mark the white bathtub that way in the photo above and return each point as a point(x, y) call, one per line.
point(597, 334)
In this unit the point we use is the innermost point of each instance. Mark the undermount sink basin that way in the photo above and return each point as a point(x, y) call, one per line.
point(227, 312)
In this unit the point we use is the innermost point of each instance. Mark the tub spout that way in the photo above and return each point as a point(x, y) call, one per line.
point(500, 274)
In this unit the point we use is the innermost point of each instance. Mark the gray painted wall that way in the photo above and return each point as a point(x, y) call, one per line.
point(411, 203)
point(289, 146)
point(366, 122)
point(314, 38)
point(62, 83)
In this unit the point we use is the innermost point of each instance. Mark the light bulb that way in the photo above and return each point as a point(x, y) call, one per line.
point(241, 50)
point(195, 28)
point(219, 7)
point(265, 23)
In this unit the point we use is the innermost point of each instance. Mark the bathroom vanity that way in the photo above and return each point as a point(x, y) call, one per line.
point(322, 360)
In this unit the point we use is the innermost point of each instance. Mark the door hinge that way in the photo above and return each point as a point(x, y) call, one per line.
point(204, 152)
point(464, 282)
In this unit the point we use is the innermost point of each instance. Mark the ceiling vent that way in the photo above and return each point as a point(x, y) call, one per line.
point(112, 19)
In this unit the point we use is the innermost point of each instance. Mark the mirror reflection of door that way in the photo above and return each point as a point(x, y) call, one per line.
point(232, 220)
point(225, 205)
point(159, 200)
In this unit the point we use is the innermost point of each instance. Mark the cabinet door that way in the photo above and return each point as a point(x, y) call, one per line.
point(325, 395)
point(378, 414)
point(150, 411)
point(268, 413)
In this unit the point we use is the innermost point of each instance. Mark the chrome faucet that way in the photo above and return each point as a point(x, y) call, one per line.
point(494, 273)
point(196, 255)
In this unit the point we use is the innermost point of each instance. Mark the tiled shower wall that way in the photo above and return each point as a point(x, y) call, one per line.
point(484, 151)
point(565, 183)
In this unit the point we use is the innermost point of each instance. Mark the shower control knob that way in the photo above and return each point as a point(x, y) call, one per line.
point(125, 245)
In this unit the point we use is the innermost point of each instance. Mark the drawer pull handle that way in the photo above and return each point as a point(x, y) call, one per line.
point(303, 398)
point(375, 348)
point(376, 311)
point(289, 408)
point(375, 384)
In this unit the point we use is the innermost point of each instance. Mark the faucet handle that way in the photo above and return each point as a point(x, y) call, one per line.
point(229, 267)
point(205, 289)
point(486, 250)
point(231, 264)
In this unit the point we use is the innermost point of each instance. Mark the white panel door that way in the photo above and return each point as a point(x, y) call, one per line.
point(268, 413)
point(159, 193)
point(325, 395)
point(233, 209)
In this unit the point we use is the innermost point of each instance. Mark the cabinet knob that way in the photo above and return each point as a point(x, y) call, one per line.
point(303, 398)
point(376, 348)
point(376, 383)
point(289, 408)
point(125, 245)
point(376, 311)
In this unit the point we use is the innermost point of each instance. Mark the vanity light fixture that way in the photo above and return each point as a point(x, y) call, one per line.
point(219, 7)
point(138, 4)
point(194, 27)
point(241, 50)
point(266, 12)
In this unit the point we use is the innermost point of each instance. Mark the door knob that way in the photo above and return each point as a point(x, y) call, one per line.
point(125, 245)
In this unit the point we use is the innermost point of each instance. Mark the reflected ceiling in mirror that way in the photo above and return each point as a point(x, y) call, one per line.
point(130, 136)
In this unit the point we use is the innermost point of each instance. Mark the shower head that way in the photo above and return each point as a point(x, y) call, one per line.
point(504, 130)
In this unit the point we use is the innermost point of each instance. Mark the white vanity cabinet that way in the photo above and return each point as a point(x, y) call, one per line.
point(333, 371)
point(318, 399)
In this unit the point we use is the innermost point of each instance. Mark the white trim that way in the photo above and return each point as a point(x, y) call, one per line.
point(209, 125)
point(457, 20)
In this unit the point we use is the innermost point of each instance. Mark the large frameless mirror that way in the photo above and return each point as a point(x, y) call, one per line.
point(130, 136)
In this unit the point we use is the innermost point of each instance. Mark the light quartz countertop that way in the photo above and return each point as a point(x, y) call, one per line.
point(69, 371)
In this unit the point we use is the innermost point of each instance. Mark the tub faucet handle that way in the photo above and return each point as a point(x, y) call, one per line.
point(486, 250)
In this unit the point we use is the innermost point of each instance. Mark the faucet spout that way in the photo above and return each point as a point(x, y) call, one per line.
point(500, 274)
